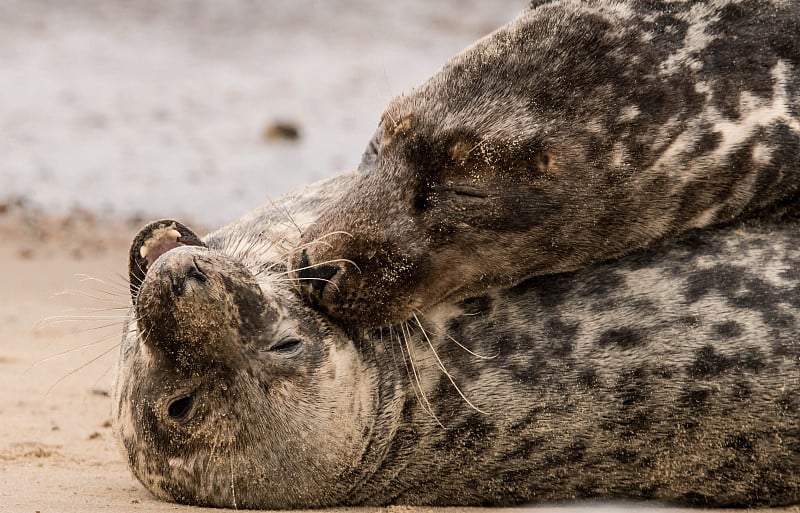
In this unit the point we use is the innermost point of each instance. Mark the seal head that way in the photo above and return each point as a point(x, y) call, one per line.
point(577, 133)
point(228, 407)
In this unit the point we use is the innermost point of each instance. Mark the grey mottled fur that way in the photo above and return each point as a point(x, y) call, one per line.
point(579, 132)
point(670, 375)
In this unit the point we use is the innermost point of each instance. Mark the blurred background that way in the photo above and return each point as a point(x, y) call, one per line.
point(204, 109)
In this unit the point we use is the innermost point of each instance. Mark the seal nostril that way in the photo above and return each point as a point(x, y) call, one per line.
point(324, 273)
point(196, 273)
point(179, 408)
point(304, 263)
point(191, 272)
point(317, 276)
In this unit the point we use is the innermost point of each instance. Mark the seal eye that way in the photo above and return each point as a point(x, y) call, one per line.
point(287, 346)
point(179, 408)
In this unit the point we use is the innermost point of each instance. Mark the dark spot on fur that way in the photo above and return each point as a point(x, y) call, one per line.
point(728, 329)
point(697, 499)
point(472, 435)
point(694, 399)
point(526, 448)
point(623, 338)
point(708, 142)
point(690, 320)
point(724, 278)
point(479, 305)
point(741, 443)
point(561, 336)
point(633, 386)
point(588, 379)
point(552, 290)
point(789, 402)
point(708, 363)
point(625, 456)
point(741, 390)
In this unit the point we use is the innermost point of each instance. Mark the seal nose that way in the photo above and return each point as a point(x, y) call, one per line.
point(315, 276)
point(190, 272)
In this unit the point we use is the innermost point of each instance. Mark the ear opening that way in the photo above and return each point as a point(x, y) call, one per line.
point(546, 162)
point(151, 242)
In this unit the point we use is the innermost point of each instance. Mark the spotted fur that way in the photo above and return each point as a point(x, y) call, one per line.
point(671, 375)
point(579, 132)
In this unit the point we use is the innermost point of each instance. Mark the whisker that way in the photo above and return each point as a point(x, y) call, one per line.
point(293, 280)
point(76, 369)
point(233, 480)
point(112, 297)
point(73, 350)
point(120, 320)
point(89, 278)
point(459, 344)
point(407, 335)
point(286, 213)
point(333, 261)
point(408, 370)
point(318, 240)
point(331, 234)
point(441, 366)
point(473, 353)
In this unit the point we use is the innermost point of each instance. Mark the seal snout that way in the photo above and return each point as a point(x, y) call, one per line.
point(153, 241)
point(314, 278)
point(186, 273)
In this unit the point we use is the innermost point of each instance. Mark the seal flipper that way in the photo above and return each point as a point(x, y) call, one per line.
point(151, 242)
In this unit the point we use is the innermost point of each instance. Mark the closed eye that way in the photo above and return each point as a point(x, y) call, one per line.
point(469, 192)
point(287, 346)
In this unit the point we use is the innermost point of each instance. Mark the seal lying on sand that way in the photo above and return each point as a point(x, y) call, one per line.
point(579, 132)
point(671, 376)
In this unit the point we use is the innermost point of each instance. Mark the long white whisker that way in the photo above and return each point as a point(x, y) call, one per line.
point(459, 344)
point(119, 322)
point(429, 408)
point(293, 280)
point(473, 353)
point(233, 479)
point(334, 261)
point(73, 350)
point(441, 366)
point(285, 212)
point(76, 369)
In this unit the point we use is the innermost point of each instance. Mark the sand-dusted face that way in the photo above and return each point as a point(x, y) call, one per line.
point(577, 133)
point(433, 211)
point(219, 399)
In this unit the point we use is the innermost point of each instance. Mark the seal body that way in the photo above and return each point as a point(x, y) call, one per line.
point(579, 132)
point(669, 376)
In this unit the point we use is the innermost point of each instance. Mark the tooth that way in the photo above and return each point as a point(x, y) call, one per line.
point(144, 250)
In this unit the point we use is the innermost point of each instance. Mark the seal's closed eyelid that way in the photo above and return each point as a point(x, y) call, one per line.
point(288, 346)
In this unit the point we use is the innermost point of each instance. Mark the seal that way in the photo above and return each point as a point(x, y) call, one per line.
point(670, 375)
point(577, 133)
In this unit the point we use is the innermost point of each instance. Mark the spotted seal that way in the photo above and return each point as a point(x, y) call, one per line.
point(579, 132)
point(669, 376)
